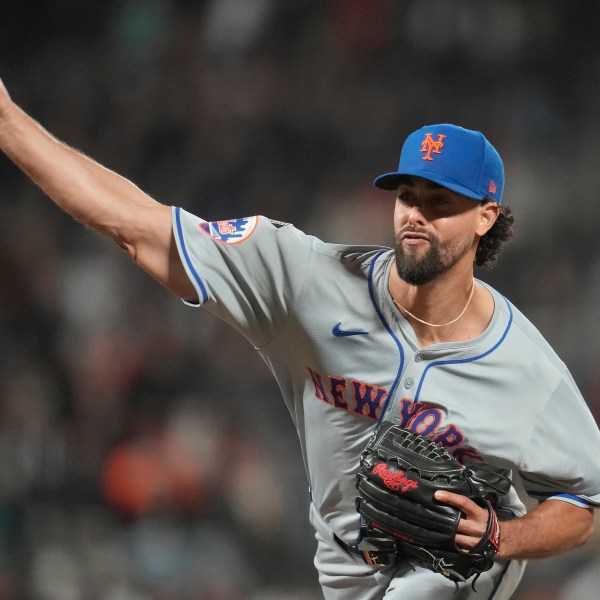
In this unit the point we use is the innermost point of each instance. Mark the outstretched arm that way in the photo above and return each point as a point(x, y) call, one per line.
point(550, 528)
point(95, 196)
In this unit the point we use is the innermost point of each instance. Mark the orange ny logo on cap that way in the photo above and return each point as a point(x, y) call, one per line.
point(430, 145)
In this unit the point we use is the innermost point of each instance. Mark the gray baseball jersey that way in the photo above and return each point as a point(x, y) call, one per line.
point(322, 318)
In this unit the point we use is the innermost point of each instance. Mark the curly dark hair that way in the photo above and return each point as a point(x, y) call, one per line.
point(491, 244)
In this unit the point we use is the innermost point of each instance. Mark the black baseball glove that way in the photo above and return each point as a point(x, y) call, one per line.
point(399, 473)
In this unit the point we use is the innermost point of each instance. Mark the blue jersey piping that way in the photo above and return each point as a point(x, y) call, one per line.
point(563, 495)
point(389, 330)
point(186, 256)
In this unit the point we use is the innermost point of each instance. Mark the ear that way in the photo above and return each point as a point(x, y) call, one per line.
point(488, 214)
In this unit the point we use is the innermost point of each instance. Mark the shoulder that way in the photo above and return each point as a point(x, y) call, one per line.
point(528, 343)
point(259, 229)
point(226, 231)
point(349, 254)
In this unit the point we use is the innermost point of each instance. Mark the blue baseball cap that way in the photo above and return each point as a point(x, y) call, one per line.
point(456, 158)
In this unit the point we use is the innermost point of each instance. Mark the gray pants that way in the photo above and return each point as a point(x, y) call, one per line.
point(343, 576)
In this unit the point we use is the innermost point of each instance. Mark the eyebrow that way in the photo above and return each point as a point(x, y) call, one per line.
point(409, 180)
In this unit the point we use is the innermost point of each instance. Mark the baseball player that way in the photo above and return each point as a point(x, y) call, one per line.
point(358, 335)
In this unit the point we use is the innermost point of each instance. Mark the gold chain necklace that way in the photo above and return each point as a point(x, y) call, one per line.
point(464, 310)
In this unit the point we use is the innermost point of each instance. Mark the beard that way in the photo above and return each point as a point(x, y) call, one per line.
point(436, 261)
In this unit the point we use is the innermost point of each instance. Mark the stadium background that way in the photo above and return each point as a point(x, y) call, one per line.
point(119, 477)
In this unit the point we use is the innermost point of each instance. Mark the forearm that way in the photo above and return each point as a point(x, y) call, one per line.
point(80, 186)
point(550, 528)
point(95, 196)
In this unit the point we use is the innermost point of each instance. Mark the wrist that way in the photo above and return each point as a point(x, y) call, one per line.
point(495, 532)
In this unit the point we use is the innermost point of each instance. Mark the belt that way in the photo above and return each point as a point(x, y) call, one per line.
point(374, 558)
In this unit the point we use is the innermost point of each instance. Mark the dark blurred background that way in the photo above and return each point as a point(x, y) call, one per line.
point(145, 453)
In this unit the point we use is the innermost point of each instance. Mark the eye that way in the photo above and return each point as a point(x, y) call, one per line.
point(441, 204)
point(405, 197)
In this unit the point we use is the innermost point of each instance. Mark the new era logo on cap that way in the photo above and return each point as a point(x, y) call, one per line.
point(460, 159)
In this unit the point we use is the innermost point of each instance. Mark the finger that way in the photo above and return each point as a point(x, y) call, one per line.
point(466, 542)
point(463, 503)
point(472, 527)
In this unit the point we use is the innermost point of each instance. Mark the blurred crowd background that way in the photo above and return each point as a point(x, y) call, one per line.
point(145, 453)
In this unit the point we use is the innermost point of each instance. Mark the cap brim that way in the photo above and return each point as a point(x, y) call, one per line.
point(391, 181)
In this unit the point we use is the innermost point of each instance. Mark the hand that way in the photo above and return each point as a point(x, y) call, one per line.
point(472, 525)
point(4, 97)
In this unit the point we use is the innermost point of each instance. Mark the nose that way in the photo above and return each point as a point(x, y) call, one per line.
point(415, 216)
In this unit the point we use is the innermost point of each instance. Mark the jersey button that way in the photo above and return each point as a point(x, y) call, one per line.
point(418, 357)
point(409, 382)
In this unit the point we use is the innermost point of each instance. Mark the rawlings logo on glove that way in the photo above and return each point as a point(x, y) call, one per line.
point(400, 471)
point(394, 481)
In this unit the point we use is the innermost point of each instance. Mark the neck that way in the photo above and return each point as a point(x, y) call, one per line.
point(446, 309)
point(446, 323)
